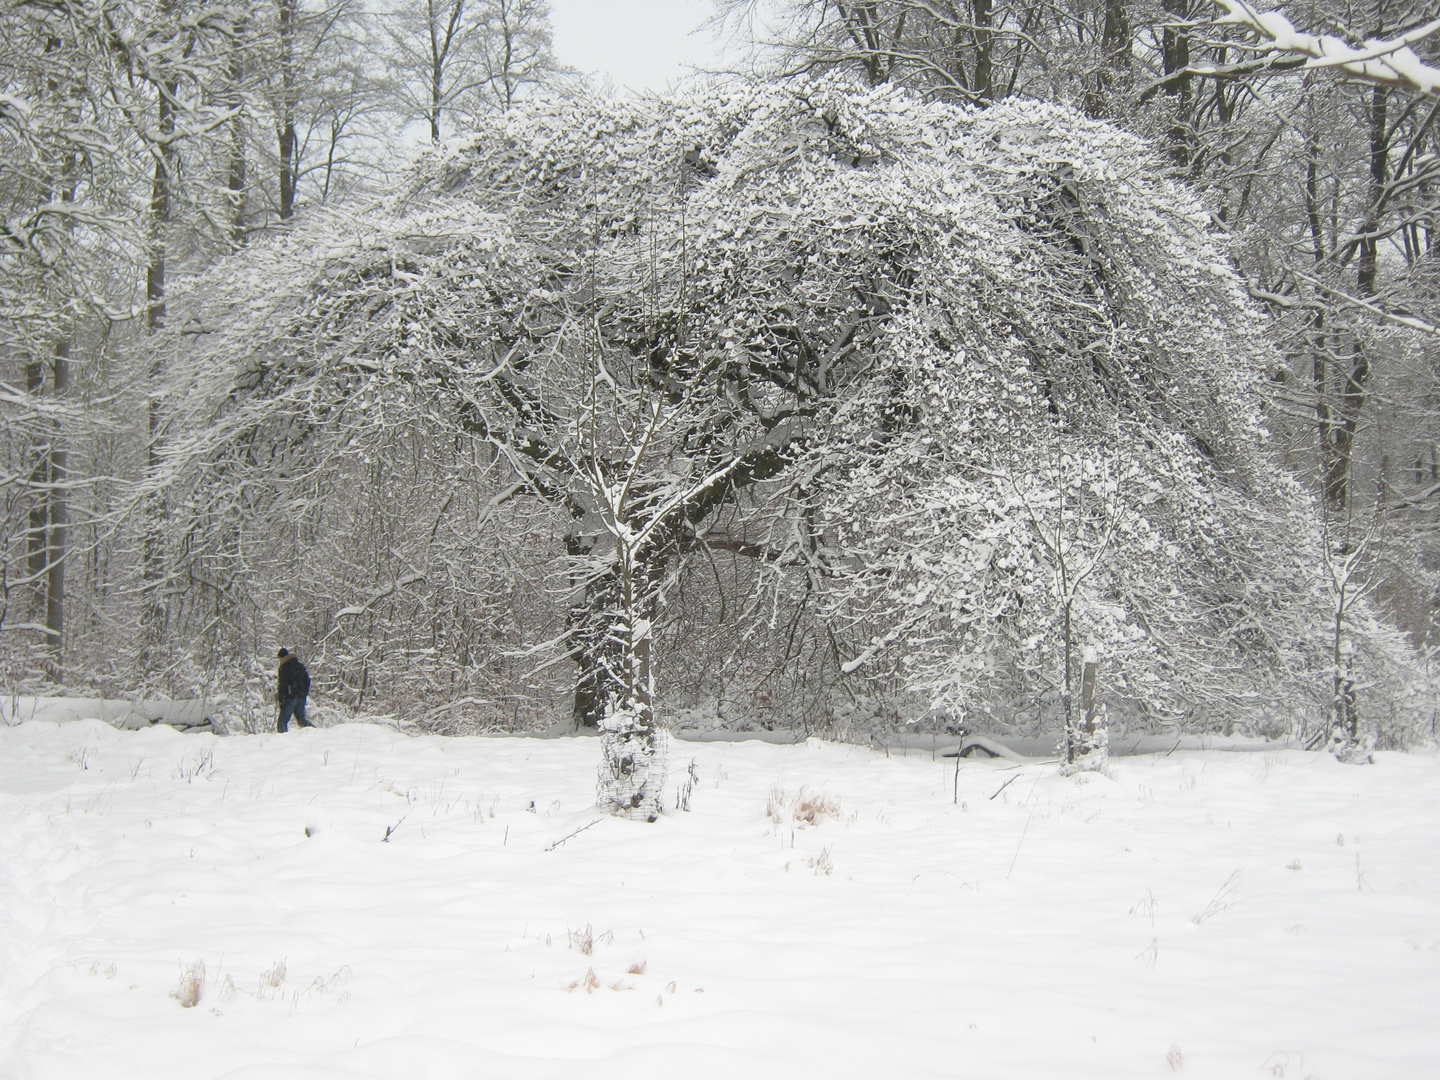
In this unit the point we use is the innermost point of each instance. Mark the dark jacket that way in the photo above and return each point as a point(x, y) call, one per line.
point(294, 680)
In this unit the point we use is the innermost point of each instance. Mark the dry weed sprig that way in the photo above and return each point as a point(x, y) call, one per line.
point(686, 789)
point(589, 981)
point(821, 863)
point(584, 940)
point(192, 985)
point(1223, 899)
point(1148, 907)
point(804, 809)
point(1150, 955)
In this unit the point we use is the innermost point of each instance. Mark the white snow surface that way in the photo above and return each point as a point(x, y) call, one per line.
point(1202, 913)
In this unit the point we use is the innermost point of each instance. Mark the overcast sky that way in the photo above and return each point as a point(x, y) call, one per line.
point(639, 44)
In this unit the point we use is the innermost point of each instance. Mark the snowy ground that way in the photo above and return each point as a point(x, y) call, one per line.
point(1204, 913)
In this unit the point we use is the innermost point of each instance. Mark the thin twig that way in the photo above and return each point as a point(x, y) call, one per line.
point(1006, 784)
point(1017, 847)
point(574, 834)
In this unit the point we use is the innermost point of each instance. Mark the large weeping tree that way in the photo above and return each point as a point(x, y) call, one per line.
point(663, 319)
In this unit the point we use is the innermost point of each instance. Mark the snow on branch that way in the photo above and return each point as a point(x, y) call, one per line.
point(1397, 318)
point(389, 590)
point(1388, 62)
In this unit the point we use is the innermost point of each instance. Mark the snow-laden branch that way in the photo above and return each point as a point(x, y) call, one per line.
point(1408, 321)
point(1389, 62)
point(389, 590)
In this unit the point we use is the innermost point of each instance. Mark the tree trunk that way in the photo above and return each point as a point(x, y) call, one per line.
point(287, 169)
point(39, 521)
point(285, 128)
point(1087, 742)
point(160, 207)
point(238, 172)
point(610, 625)
point(440, 42)
point(1115, 59)
point(984, 47)
point(152, 613)
point(1355, 375)
point(587, 631)
point(57, 541)
point(237, 183)
point(1088, 675)
point(632, 744)
point(1175, 56)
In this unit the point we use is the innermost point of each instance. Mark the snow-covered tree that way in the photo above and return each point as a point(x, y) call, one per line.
point(980, 377)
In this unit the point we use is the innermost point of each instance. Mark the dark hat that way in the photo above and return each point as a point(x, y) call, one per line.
point(282, 653)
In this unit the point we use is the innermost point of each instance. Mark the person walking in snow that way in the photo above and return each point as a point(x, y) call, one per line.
point(293, 689)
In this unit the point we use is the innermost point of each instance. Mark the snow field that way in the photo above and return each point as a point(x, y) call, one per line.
point(1203, 914)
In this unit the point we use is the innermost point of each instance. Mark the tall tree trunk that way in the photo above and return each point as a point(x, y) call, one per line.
point(1355, 387)
point(287, 168)
point(1115, 58)
point(237, 183)
point(1175, 56)
point(56, 462)
point(39, 520)
point(507, 45)
point(57, 543)
point(441, 41)
point(238, 172)
point(586, 621)
point(1317, 339)
point(160, 206)
point(984, 49)
point(152, 614)
point(285, 127)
